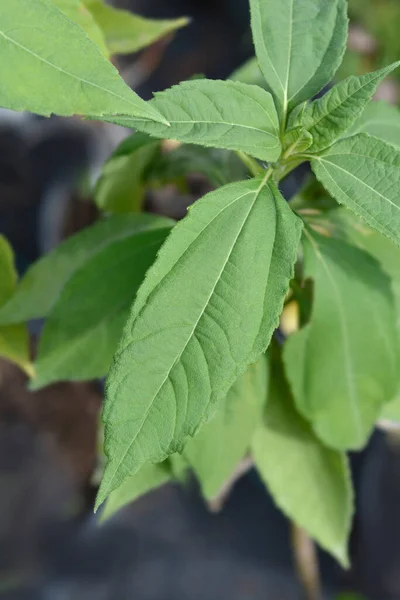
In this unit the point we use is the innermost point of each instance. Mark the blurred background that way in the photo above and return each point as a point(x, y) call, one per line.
point(166, 546)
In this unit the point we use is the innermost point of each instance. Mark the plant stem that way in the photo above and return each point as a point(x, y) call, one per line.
point(253, 166)
point(306, 563)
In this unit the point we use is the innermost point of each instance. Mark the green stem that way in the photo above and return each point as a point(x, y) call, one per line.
point(252, 165)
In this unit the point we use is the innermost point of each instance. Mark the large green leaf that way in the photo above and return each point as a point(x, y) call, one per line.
point(14, 339)
point(86, 323)
point(363, 173)
point(381, 120)
point(125, 32)
point(343, 366)
point(206, 310)
point(388, 255)
point(147, 479)
point(222, 114)
point(40, 288)
point(299, 45)
point(49, 65)
point(309, 482)
point(76, 11)
point(121, 187)
point(216, 450)
point(328, 118)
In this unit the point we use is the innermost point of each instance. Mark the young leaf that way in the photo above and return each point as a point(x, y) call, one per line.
point(125, 32)
point(297, 139)
point(381, 120)
point(299, 46)
point(86, 323)
point(221, 114)
point(76, 11)
point(206, 310)
point(220, 444)
point(147, 479)
point(39, 75)
point(343, 365)
point(121, 187)
point(310, 483)
point(14, 340)
point(363, 173)
point(40, 288)
point(328, 118)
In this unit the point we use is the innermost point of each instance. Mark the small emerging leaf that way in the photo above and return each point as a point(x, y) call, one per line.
point(249, 73)
point(185, 344)
point(310, 483)
point(221, 114)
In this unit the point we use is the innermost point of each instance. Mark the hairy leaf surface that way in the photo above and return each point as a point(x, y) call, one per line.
point(363, 173)
point(309, 482)
point(343, 365)
point(222, 114)
point(328, 118)
point(206, 310)
point(39, 75)
point(126, 32)
point(40, 288)
point(82, 332)
point(299, 46)
point(216, 450)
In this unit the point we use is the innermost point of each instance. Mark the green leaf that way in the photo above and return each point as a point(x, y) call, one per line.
point(219, 166)
point(49, 65)
point(297, 140)
point(249, 73)
point(222, 442)
point(343, 365)
point(76, 11)
point(363, 173)
point(126, 32)
point(86, 323)
point(299, 46)
point(43, 283)
point(328, 118)
point(14, 339)
point(147, 479)
point(310, 483)
point(221, 114)
point(207, 309)
point(381, 120)
point(121, 187)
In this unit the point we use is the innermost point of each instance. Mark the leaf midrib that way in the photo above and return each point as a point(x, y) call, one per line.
point(177, 358)
point(64, 72)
